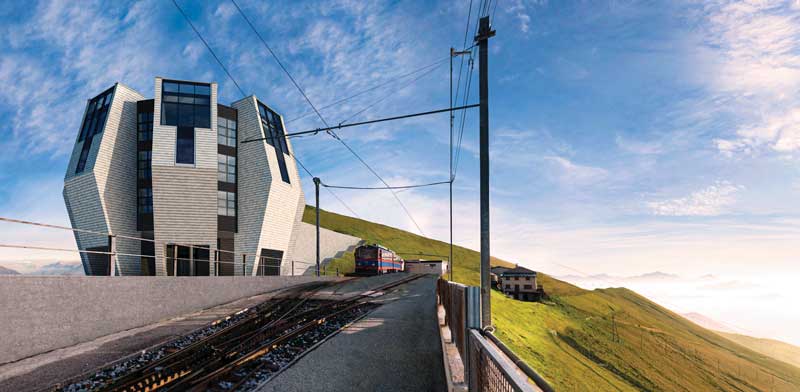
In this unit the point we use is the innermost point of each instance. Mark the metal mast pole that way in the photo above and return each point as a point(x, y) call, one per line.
point(482, 39)
point(450, 261)
point(316, 193)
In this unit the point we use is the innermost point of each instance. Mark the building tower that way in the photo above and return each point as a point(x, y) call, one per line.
point(173, 170)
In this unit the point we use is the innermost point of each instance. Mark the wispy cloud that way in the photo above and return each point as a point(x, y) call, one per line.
point(710, 201)
point(571, 173)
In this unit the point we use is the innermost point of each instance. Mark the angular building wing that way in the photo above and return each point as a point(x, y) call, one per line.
point(173, 171)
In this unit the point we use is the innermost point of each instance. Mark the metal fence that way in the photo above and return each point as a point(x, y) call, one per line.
point(489, 365)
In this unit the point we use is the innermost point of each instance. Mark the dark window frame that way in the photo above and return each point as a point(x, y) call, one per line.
point(184, 152)
point(227, 131)
point(226, 168)
point(228, 201)
point(185, 104)
point(275, 136)
point(94, 122)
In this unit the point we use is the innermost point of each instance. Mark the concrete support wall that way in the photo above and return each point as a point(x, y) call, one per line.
point(331, 244)
point(44, 313)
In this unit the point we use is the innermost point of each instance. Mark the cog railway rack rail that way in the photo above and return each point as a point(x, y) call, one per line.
point(237, 353)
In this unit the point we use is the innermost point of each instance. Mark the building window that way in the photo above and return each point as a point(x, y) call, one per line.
point(527, 278)
point(145, 127)
point(145, 200)
point(186, 104)
point(226, 168)
point(184, 146)
point(144, 164)
point(94, 121)
point(528, 287)
point(226, 131)
point(516, 278)
point(226, 203)
point(273, 132)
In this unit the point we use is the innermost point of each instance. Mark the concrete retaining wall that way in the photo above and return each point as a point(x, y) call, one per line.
point(43, 313)
point(331, 244)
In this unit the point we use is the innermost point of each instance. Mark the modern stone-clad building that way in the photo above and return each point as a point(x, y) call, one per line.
point(173, 169)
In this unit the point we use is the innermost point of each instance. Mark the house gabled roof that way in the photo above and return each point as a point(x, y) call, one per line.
point(518, 271)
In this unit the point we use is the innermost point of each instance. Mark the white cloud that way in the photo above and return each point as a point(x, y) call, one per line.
point(758, 71)
point(570, 173)
point(710, 201)
point(639, 147)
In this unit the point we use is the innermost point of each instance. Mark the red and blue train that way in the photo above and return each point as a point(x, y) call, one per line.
point(376, 260)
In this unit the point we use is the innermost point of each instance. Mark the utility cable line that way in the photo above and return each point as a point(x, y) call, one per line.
point(375, 87)
point(391, 94)
point(340, 126)
point(383, 187)
point(333, 134)
point(222, 65)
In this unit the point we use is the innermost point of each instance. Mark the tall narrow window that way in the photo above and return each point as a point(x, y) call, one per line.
point(226, 168)
point(186, 104)
point(145, 157)
point(145, 200)
point(226, 131)
point(273, 130)
point(226, 203)
point(93, 123)
point(145, 126)
point(184, 148)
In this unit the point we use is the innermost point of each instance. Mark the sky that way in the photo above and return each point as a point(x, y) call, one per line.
point(627, 137)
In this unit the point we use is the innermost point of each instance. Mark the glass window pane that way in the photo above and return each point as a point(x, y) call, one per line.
point(169, 113)
point(202, 116)
point(221, 139)
point(199, 100)
point(221, 211)
point(202, 89)
point(185, 145)
point(222, 121)
point(171, 87)
point(186, 88)
point(186, 115)
point(186, 99)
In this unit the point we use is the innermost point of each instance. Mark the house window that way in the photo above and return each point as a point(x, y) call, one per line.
point(184, 145)
point(226, 168)
point(186, 104)
point(516, 278)
point(273, 132)
point(508, 286)
point(94, 121)
point(527, 278)
point(226, 203)
point(144, 164)
point(528, 287)
point(226, 132)
point(145, 200)
point(145, 127)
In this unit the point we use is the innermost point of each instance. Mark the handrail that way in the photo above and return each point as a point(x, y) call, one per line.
point(540, 382)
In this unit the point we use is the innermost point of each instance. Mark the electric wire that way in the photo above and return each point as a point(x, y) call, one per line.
point(333, 134)
point(375, 87)
point(199, 35)
point(383, 187)
point(391, 94)
point(208, 46)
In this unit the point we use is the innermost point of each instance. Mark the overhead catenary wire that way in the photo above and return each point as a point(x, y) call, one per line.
point(333, 134)
point(224, 68)
point(375, 87)
point(383, 187)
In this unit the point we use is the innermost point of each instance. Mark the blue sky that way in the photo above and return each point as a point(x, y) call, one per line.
point(627, 136)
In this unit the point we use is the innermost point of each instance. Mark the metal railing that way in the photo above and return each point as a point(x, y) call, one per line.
point(211, 262)
point(489, 365)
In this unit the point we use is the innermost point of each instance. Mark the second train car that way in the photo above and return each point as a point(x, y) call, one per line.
point(376, 260)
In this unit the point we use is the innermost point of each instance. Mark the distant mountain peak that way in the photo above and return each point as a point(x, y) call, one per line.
point(8, 271)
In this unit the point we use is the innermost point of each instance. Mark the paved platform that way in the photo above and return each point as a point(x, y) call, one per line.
point(394, 348)
point(46, 369)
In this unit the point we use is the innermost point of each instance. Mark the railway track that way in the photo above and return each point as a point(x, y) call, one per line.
point(241, 354)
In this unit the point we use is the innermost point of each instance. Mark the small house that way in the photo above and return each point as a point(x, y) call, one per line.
point(435, 267)
point(519, 283)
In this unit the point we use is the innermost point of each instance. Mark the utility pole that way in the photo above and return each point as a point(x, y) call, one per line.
point(484, 33)
point(453, 54)
point(316, 194)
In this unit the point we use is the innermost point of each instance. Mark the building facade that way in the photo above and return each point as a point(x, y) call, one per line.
point(173, 170)
point(435, 267)
point(518, 283)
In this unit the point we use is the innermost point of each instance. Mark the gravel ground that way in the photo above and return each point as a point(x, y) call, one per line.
point(394, 348)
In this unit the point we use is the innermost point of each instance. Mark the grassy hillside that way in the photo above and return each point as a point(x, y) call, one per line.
point(774, 348)
point(569, 339)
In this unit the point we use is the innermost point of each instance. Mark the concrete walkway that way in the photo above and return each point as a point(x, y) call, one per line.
point(394, 348)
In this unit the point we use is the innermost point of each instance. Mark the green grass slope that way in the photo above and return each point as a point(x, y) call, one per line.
point(570, 338)
point(774, 348)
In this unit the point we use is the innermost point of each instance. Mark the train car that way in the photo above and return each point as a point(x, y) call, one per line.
point(376, 260)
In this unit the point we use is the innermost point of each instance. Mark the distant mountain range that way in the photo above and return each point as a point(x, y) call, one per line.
point(57, 268)
point(7, 271)
point(621, 280)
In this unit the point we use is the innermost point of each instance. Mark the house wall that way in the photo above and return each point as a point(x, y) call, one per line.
point(184, 196)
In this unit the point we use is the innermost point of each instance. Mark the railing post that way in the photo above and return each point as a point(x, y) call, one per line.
point(244, 265)
point(472, 302)
point(112, 255)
